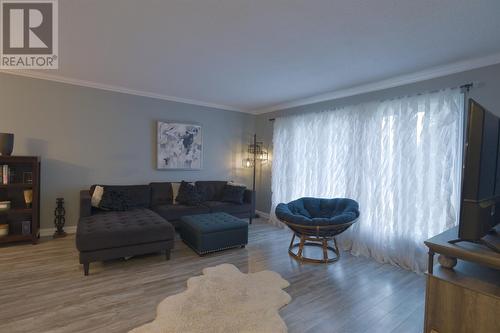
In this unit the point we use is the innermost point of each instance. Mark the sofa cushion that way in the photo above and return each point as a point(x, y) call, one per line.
point(139, 196)
point(210, 190)
point(233, 194)
point(161, 194)
point(175, 212)
point(114, 200)
point(188, 195)
point(318, 212)
point(227, 207)
point(107, 230)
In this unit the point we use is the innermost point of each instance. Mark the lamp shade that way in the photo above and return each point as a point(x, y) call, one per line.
point(255, 148)
point(248, 163)
point(262, 156)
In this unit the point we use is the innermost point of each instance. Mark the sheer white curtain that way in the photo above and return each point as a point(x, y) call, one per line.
point(400, 159)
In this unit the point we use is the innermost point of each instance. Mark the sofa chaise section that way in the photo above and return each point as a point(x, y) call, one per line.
point(104, 235)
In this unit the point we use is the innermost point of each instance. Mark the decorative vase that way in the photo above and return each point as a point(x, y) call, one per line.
point(59, 219)
point(28, 198)
point(6, 144)
point(447, 262)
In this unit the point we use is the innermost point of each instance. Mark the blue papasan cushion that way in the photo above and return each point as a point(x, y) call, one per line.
point(318, 212)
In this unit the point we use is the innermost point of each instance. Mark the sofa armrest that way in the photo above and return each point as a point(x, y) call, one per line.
point(85, 203)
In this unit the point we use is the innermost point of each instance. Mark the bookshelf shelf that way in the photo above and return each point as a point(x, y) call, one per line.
point(18, 185)
point(17, 211)
point(15, 238)
point(24, 223)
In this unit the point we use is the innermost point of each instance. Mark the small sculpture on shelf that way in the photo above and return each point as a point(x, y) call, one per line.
point(59, 219)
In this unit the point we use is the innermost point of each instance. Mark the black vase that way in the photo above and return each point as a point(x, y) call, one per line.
point(6, 144)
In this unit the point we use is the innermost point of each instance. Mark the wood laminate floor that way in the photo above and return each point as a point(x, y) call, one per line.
point(42, 288)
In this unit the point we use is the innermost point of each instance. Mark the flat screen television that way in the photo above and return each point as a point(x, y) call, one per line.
point(480, 199)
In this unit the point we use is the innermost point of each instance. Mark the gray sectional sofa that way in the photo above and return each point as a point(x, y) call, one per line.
point(162, 202)
point(148, 225)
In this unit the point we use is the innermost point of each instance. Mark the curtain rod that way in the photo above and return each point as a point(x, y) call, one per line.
point(464, 87)
point(467, 86)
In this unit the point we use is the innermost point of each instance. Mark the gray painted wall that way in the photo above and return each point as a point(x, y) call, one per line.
point(486, 93)
point(88, 136)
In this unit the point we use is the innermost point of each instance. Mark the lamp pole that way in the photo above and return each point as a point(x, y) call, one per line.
point(254, 160)
point(254, 171)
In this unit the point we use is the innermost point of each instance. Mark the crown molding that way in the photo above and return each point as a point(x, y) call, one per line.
point(119, 89)
point(432, 73)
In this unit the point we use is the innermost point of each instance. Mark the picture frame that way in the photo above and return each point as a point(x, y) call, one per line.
point(179, 146)
point(28, 177)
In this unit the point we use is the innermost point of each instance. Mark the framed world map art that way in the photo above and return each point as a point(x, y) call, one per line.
point(179, 146)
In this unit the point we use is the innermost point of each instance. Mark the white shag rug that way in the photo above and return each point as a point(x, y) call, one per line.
point(224, 299)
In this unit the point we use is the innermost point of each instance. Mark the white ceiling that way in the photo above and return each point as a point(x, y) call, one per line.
point(250, 55)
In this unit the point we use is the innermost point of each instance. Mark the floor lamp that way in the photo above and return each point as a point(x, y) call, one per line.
point(256, 154)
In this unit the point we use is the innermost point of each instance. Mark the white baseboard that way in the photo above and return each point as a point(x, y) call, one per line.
point(262, 214)
point(50, 231)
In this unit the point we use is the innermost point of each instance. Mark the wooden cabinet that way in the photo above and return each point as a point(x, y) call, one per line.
point(465, 298)
point(24, 176)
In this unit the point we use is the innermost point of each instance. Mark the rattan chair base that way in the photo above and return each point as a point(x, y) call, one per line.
point(321, 242)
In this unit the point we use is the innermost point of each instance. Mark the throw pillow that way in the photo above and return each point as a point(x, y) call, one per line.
point(114, 201)
point(175, 192)
point(188, 195)
point(233, 194)
point(161, 193)
point(233, 183)
point(97, 196)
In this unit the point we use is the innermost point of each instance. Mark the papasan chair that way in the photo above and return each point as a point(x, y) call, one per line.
point(316, 221)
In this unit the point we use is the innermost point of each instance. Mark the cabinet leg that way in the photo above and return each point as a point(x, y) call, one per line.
point(167, 254)
point(430, 264)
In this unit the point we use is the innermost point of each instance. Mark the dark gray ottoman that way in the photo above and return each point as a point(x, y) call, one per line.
point(110, 235)
point(206, 233)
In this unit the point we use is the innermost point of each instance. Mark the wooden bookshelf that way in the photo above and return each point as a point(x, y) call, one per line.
point(13, 191)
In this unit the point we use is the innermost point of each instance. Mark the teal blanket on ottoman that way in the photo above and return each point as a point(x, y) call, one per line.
point(207, 233)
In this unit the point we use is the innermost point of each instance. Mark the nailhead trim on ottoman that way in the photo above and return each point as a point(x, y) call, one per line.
point(206, 233)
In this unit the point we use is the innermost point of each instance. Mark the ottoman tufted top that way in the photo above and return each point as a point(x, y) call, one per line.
point(115, 229)
point(215, 222)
